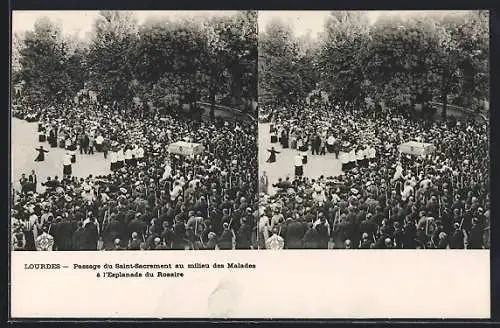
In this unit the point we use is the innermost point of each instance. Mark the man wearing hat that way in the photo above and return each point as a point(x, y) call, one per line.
point(274, 137)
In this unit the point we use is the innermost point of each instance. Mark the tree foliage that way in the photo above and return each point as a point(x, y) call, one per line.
point(166, 62)
point(286, 71)
point(46, 64)
point(399, 61)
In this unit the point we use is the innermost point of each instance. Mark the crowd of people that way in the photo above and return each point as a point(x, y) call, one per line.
point(150, 199)
point(382, 198)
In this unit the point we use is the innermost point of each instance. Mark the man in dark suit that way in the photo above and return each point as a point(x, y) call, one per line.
point(137, 225)
point(294, 232)
point(457, 238)
point(475, 240)
point(91, 235)
point(368, 226)
point(78, 239)
point(179, 236)
point(323, 232)
point(114, 229)
point(311, 238)
point(63, 230)
point(226, 239)
point(33, 181)
point(244, 235)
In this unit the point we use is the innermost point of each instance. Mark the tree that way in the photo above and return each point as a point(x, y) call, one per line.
point(343, 50)
point(243, 47)
point(231, 47)
point(218, 35)
point(462, 58)
point(109, 56)
point(47, 64)
point(169, 58)
point(399, 62)
point(278, 58)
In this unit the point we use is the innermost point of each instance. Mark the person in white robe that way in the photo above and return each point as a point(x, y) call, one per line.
point(67, 171)
point(113, 158)
point(128, 157)
point(120, 157)
point(140, 154)
point(344, 159)
point(352, 159)
point(299, 168)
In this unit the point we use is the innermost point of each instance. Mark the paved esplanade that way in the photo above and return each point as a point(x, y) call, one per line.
point(24, 140)
point(316, 166)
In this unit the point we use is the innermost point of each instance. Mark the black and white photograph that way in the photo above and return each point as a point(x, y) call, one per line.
point(374, 129)
point(286, 141)
point(133, 130)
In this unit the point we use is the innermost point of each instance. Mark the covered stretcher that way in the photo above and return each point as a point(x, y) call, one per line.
point(416, 148)
point(185, 148)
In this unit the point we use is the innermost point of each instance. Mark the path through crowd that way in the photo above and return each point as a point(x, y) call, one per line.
point(316, 166)
point(24, 141)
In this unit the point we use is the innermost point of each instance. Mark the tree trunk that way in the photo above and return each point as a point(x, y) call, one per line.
point(236, 87)
point(444, 99)
point(212, 103)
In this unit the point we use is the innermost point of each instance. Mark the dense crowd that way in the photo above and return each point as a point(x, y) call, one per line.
point(383, 198)
point(151, 199)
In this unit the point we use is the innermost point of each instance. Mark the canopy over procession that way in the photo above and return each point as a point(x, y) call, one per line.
point(354, 152)
point(168, 139)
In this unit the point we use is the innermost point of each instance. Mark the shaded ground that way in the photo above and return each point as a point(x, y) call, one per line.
point(317, 165)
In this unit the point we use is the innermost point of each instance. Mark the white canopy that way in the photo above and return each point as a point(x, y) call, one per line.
point(416, 148)
point(185, 148)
